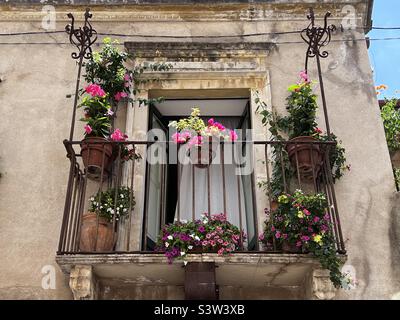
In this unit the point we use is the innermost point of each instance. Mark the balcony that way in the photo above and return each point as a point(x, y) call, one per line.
point(156, 199)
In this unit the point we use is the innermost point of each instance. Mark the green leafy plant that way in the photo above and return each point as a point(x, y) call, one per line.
point(97, 115)
point(112, 202)
point(300, 121)
point(302, 109)
point(210, 233)
point(391, 122)
point(302, 221)
point(107, 69)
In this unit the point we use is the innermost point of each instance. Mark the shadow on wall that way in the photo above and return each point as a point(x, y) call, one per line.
point(394, 234)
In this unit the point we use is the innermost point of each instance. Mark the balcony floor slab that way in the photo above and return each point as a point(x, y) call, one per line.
point(238, 269)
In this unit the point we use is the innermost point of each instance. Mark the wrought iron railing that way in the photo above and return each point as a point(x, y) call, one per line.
point(83, 183)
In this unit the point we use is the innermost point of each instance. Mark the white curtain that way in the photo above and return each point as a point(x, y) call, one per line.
point(234, 193)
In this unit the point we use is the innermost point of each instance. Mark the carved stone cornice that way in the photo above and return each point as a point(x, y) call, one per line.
point(200, 51)
point(125, 11)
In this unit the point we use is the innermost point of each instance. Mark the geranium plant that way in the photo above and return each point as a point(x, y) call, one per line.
point(112, 203)
point(302, 221)
point(210, 233)
point(194, 131)
point(97, 112)
point(107, 69)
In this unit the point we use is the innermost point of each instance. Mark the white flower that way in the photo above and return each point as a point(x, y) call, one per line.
point(121, 206)
point(184, 221)
point(101, 207)
point(170, 237)
point(183, 253)
point(192, 236)
point(124, 210)
point(166, 244)
point(190, 247)
point(205, 221)
point(185, 262)
point(112, 211)
point(197, 238)
point(121, 195)
point(92, 199)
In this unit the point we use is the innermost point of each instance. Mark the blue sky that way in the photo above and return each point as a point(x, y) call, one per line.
point(385, 55)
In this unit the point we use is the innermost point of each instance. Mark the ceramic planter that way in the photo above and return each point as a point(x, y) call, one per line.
point(95, 155)
point(305, 157)
point(89, 232)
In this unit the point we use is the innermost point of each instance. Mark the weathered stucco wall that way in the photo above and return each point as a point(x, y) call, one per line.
point(36, 113)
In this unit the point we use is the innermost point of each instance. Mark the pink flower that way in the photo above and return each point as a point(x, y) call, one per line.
point(326, 217)
point(324, 228)
point(210, 122)
point(181, 137)
point(88, 129)
point(261, 237)
point(204, 243)
point(298, 244)
point(196, 141)
point(221, 251)
point(233, 135)
point(277, 235)
point(127, 77)
point(208, 236)
point(316, 219)
point(117, 135)
point(318, 130)
point(306, 212)
point(95, 90)
point(272, 228)
point(213, 243)
point(305, 238)
point(225, 244)
point(220, 241)
point(119, 95)
point(304, 76)
point(219, 126)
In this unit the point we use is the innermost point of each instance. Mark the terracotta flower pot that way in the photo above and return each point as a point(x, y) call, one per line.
point(92, 156)
point(89, 231)
point(202, 157)
point(308, 158)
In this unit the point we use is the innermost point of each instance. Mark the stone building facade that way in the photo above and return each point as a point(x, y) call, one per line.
point(222, 49)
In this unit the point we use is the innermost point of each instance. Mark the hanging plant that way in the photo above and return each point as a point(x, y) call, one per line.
point(299, 125)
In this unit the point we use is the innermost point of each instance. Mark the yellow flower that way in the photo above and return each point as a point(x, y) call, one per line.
point(283, 199)
point(318, 239)
point(300, 214)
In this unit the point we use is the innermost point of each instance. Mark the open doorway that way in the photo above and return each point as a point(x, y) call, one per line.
point(182, 192)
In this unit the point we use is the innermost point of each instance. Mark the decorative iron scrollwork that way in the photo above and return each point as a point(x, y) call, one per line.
point(317, 37)
point(83, 37)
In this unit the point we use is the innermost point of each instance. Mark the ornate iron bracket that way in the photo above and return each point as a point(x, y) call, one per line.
point(83, 37)
point(317, 37)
